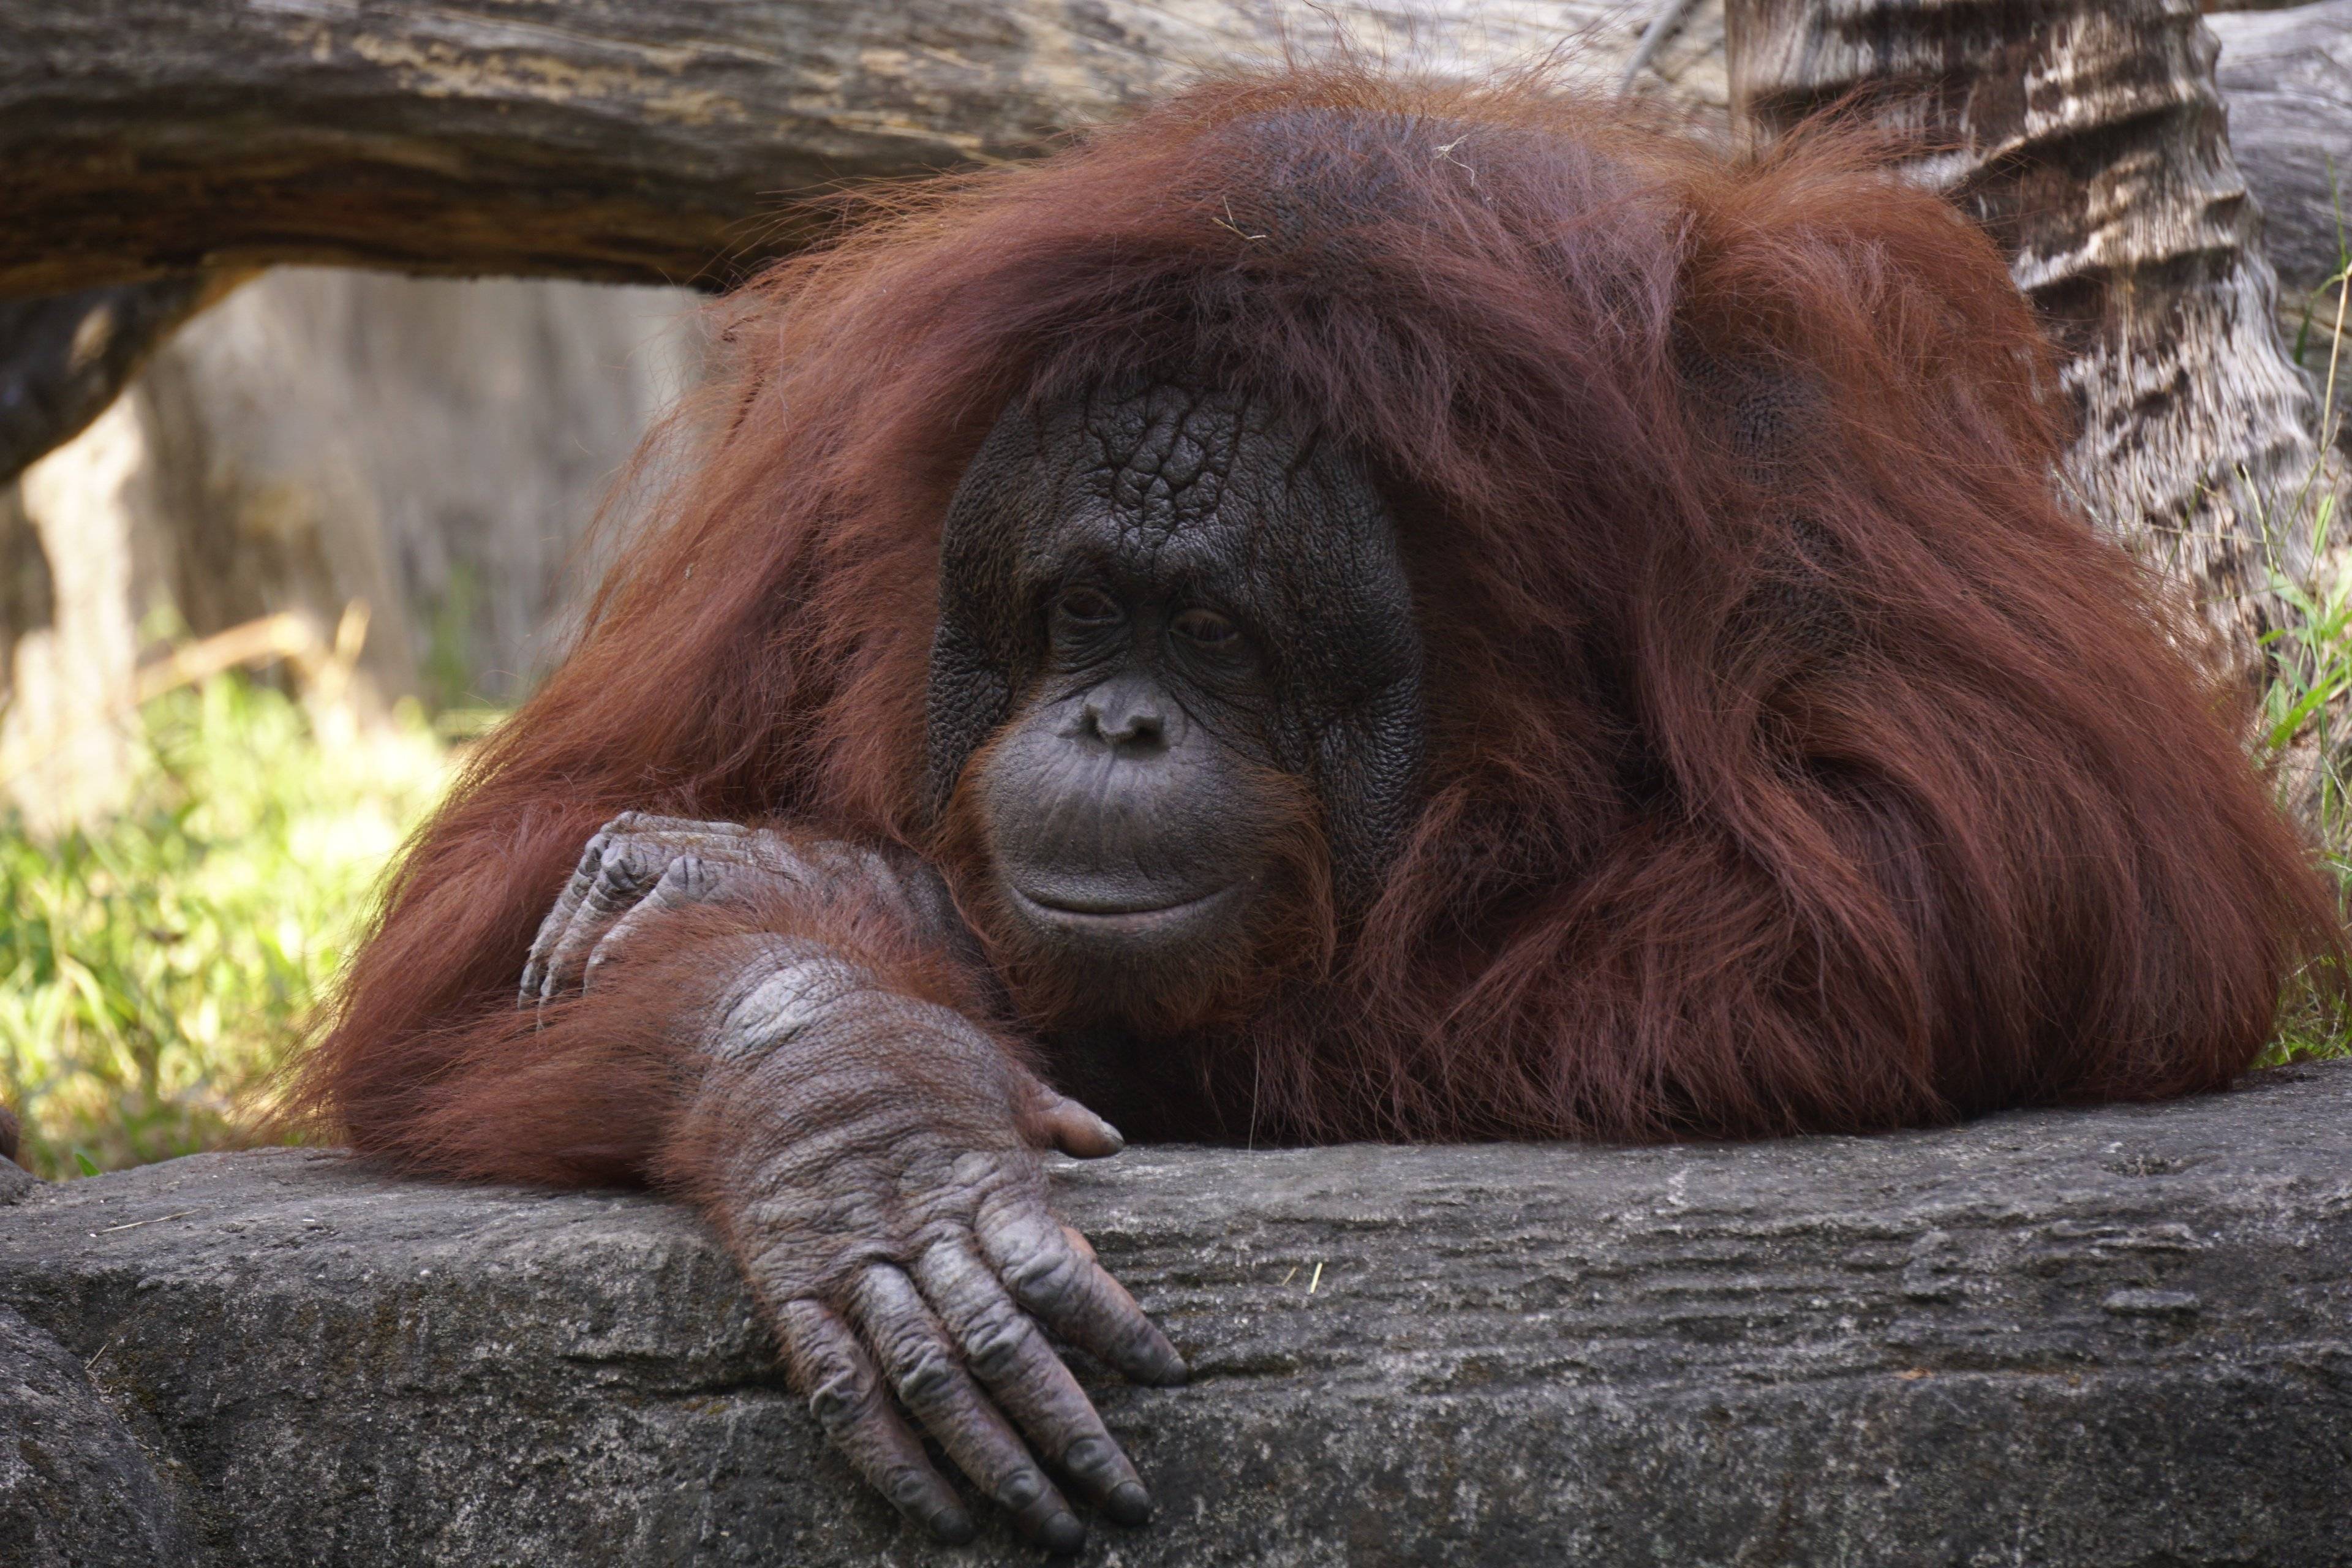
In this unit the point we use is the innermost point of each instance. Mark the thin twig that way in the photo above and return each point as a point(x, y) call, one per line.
point(135, 1224)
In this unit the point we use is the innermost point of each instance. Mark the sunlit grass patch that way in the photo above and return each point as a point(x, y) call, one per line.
point(2310, 685)
point(156, 969)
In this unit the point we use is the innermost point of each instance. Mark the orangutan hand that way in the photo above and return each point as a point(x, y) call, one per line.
point(874, 1161)
point(640, 866)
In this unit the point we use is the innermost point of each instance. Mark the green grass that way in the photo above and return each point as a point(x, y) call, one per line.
point(2310, 687)
point(155, 971)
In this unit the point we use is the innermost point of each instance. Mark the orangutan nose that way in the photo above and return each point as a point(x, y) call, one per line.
point(1126, 715)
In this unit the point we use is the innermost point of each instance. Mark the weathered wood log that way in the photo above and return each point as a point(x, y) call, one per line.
point(649, 141)
point(682, 141)
point(2104, 1338)
point(2090, 139)
point(64, 357)
point(652, 140)
point(662, 140)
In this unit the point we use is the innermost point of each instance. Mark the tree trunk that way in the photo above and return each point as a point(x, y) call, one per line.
point(2286, 76)
point(2089, 137)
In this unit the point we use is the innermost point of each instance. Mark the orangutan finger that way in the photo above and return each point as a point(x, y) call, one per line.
point(1065, 1288)
point(1055, 1120)
point(628, 871)
point(689, 880)
point(930, 1379)
point(1006, 1351)
point(845, 1393)
point(559, 918)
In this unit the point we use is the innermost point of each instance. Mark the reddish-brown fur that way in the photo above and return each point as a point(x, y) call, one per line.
point(1686, 867)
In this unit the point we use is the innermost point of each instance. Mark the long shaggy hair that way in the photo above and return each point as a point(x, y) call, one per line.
point(1797, 759)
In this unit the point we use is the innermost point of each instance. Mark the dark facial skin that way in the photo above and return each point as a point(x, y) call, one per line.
point(1127, 808)
point(1208, 618)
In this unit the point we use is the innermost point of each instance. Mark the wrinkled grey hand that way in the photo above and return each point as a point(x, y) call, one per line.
point(885, 1196)
point(639, 866)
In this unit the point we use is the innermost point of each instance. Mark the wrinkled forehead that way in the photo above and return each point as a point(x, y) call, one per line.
point(1168, 488)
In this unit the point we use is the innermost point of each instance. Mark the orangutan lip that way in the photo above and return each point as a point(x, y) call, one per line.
point(1113, 918)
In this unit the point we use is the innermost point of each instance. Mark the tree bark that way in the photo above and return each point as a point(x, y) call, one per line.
point(683, 140)
point(2090, 138)
point(145, 142)
point(63, 358)
point(646, 141)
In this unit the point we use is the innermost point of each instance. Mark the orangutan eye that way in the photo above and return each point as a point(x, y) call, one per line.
point(1085, 607)
point(1207, 628)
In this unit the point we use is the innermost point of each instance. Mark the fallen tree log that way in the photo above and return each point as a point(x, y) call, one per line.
point(665, 140)
point(645, 141)
point(680, 141)
point(144, 143)
point(2114, 1336)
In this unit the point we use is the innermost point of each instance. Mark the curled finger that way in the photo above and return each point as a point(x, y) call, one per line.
point(845, 1393)
point(1006, 1352)
point(559, 918)
point(1063, 1287)
point(629, 870)
point(932, 1381)
point(689, 880)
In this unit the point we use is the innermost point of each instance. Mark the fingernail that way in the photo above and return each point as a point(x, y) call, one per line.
point(1062, 1534)
point(1173, 1372)
point(954, 1525)
point(1118, 1139)
point(1128, 1503)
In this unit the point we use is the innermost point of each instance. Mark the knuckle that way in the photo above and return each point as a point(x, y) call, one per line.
point(621, 874)
point(840, 1396)
point(592, 853)
point(974, 1169)
point(907, 1484)
point(919, 1369)
point(837, 1409)
point(1023, 1487)
point(1046, 1276)
point(1090, 1456)
point(997, 1343)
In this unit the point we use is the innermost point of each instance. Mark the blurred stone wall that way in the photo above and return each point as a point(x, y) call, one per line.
point(434, 450)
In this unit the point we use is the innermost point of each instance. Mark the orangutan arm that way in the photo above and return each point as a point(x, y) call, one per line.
point(872, 1158)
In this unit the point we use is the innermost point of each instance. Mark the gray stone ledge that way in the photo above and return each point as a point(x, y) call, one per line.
point(2120, 1336)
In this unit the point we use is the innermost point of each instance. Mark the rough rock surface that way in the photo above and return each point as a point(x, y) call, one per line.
point(2118, 1336)
point(76, 1486)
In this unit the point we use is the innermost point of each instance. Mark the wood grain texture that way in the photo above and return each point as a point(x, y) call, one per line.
point(2090, 138)
point(682, 141)
point(652, 140)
